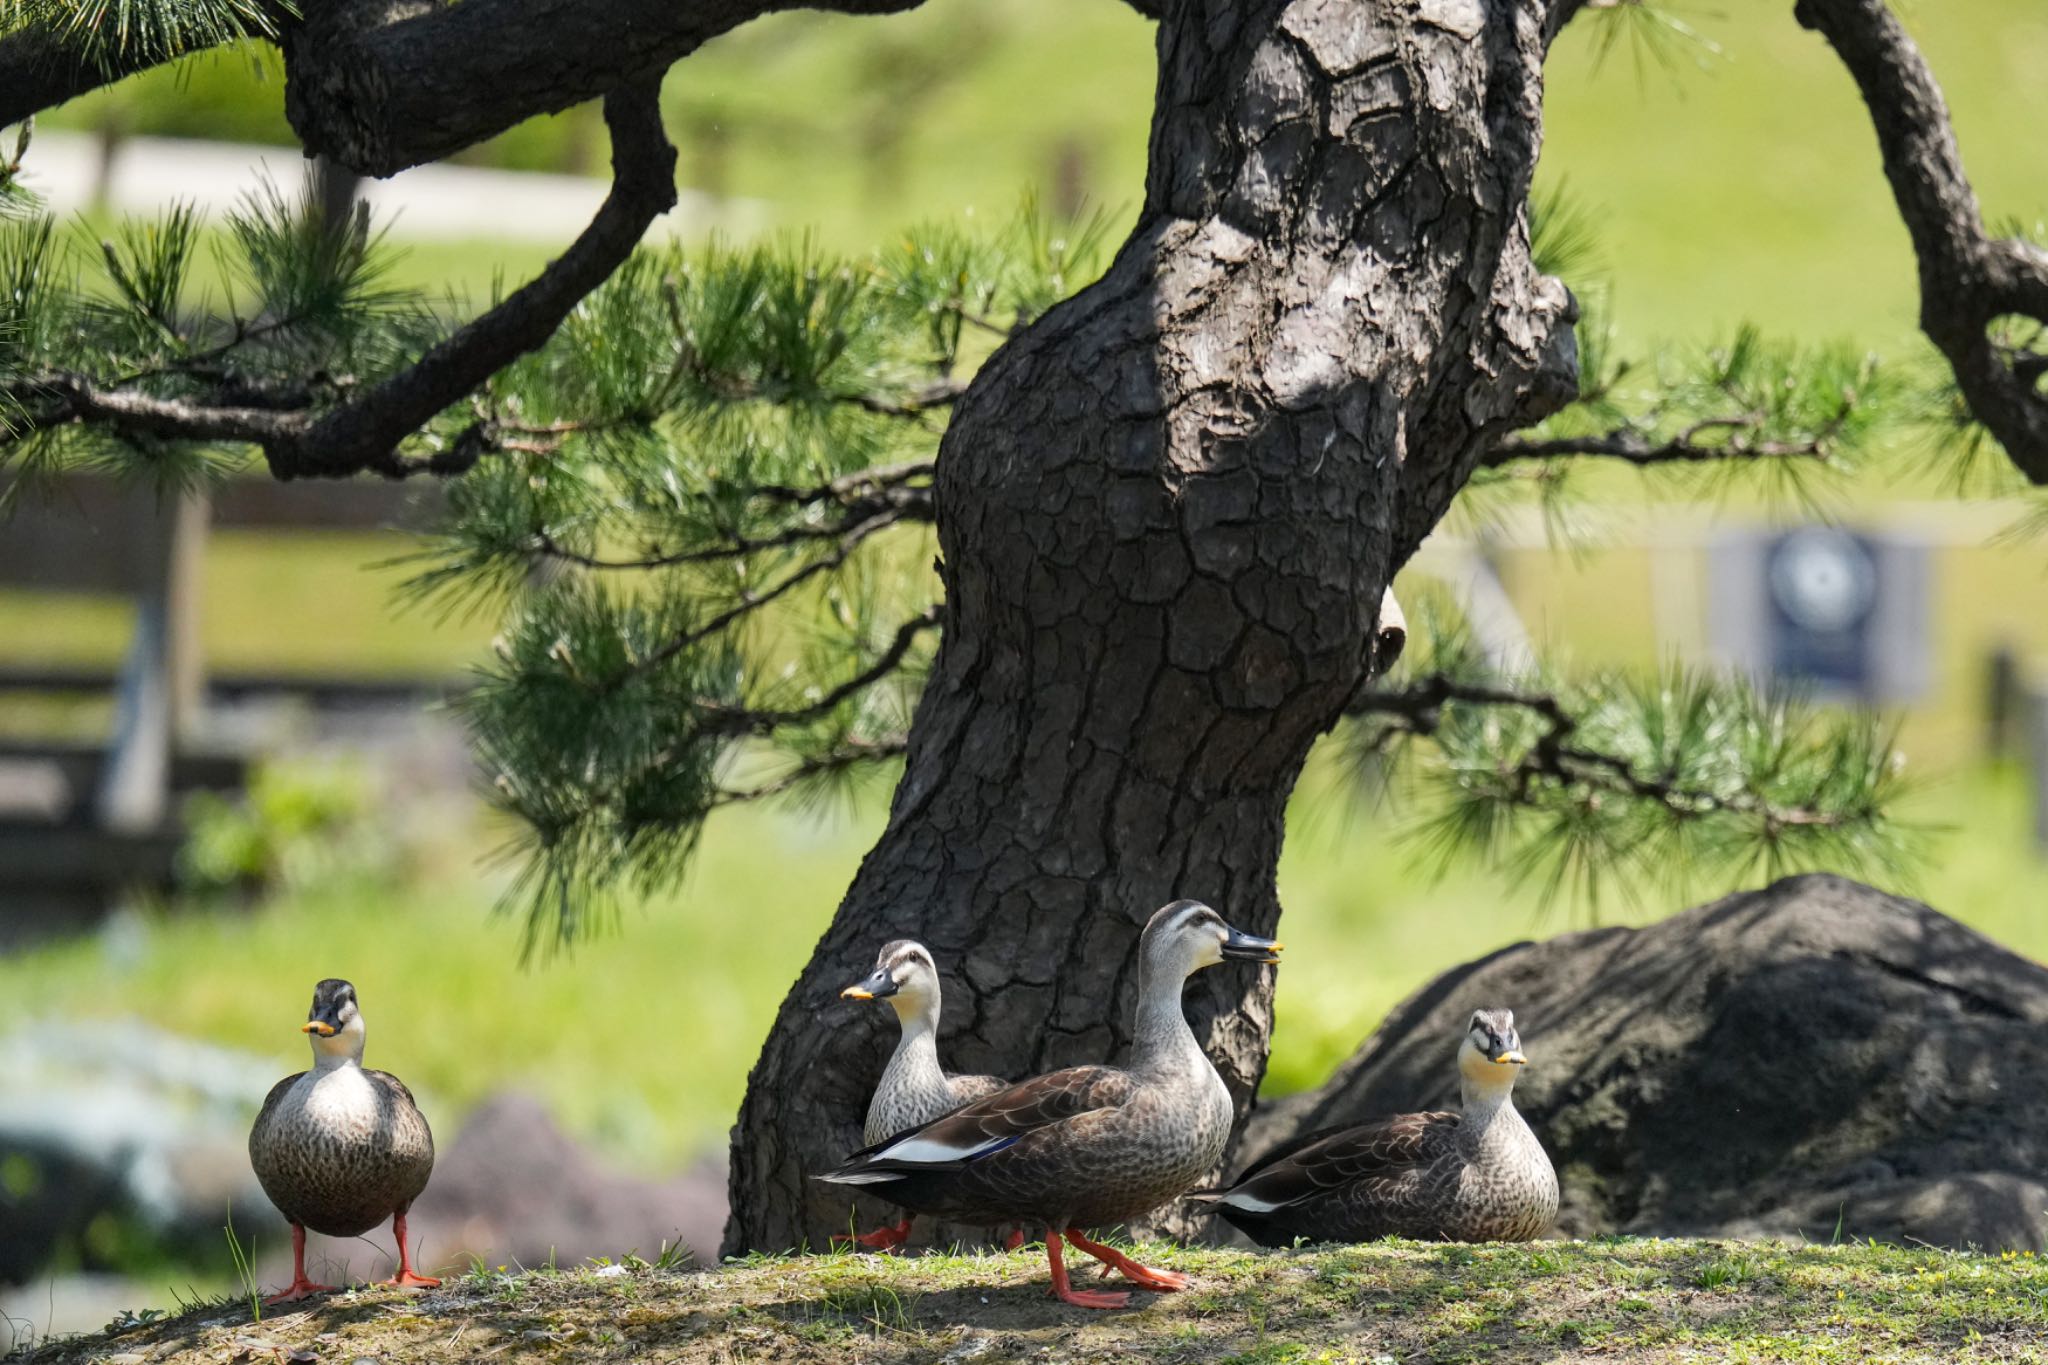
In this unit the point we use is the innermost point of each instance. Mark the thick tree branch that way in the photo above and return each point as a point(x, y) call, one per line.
point(380, 87)
point(363, 434)
point(1967, 279)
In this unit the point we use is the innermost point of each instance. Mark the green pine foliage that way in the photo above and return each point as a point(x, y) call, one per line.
point(1682, 781)
point(702, 514)
point(130, 34)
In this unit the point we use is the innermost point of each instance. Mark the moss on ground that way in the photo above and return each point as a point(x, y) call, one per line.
point(1615, 1300)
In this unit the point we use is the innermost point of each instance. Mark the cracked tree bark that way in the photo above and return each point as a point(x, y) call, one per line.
point(1167, 512)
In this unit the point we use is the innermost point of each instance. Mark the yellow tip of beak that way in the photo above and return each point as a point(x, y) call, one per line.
point(1278, 946)
point(1511, 1058)
point(856, 993)
point(314, 1026)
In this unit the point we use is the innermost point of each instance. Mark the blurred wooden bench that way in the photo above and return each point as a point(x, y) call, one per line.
point(80, 822)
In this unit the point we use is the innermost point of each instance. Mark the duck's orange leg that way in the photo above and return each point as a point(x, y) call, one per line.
point(1145, 1277)
point(1014, 1240)
point(881, 1239)
point(1066, 1293)
point(300, 1287)
point(407, 1277)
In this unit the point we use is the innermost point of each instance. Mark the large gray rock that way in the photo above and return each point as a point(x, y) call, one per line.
point(1811, 1060)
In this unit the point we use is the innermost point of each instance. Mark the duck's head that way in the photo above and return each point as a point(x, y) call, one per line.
point(335, 1023)
point(1186, 936)
point(904, 975)
point(1491, 1055)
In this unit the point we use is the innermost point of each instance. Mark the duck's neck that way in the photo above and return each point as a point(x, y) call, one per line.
point(1490, 1117)
point(916, 1058)
point(1162, 1038)
point(327, 1063)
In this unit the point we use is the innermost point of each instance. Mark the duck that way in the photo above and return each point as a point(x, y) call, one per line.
point(1087, 1146)
point(341, 1148)
point(1479, 1175)
point(914, 1088)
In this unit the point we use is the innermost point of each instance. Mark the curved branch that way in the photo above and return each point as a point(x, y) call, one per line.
point(363, 434)
point(381, 87)
point(1967, 279)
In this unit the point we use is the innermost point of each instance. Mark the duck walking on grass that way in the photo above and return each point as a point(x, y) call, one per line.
point(1089, 1146)
point(914, 1088)
point(341, 1148)
point(1475, 1176)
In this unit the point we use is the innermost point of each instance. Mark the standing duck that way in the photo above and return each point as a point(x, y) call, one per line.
point(1090, 1145)
point(914, 1088)
point(341, 1148)
point(1475, 1176)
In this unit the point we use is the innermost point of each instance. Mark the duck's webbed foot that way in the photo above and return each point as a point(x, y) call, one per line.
point(407, 1277)
point(881, 1239)
point(1066, 1293)
point(1143, 1276)
point(300, 1287)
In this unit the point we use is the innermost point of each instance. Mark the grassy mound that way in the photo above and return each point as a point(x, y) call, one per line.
point(1617, 1300)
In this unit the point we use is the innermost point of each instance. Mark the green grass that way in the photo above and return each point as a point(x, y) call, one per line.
point(1625, 1300)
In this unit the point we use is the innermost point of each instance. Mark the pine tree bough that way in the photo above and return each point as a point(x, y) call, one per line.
point(1968, 279)
point(363, 434)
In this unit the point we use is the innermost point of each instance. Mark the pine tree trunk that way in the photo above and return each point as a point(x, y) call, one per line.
point(1167, 513)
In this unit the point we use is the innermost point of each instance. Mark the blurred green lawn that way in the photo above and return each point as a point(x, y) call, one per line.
point(1746, 191)
point(642, 1038)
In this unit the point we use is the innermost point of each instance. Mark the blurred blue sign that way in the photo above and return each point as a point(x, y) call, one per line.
point(1840, 611)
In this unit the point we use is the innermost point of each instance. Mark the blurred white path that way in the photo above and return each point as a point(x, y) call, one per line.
point(148, 174)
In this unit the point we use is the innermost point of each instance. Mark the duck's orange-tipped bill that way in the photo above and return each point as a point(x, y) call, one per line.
point(324, 1029)
point(1512, 1057)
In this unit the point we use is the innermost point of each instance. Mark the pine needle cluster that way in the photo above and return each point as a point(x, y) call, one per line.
point(701, 514)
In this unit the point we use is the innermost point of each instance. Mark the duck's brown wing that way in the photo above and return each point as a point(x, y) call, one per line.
point(1331, 1159)
point(981, 1128)
point(410, 1149)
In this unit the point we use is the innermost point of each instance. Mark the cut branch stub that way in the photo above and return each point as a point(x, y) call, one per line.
point(1967, 278)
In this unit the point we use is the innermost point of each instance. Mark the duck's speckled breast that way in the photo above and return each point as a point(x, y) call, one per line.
point(341, 1151)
